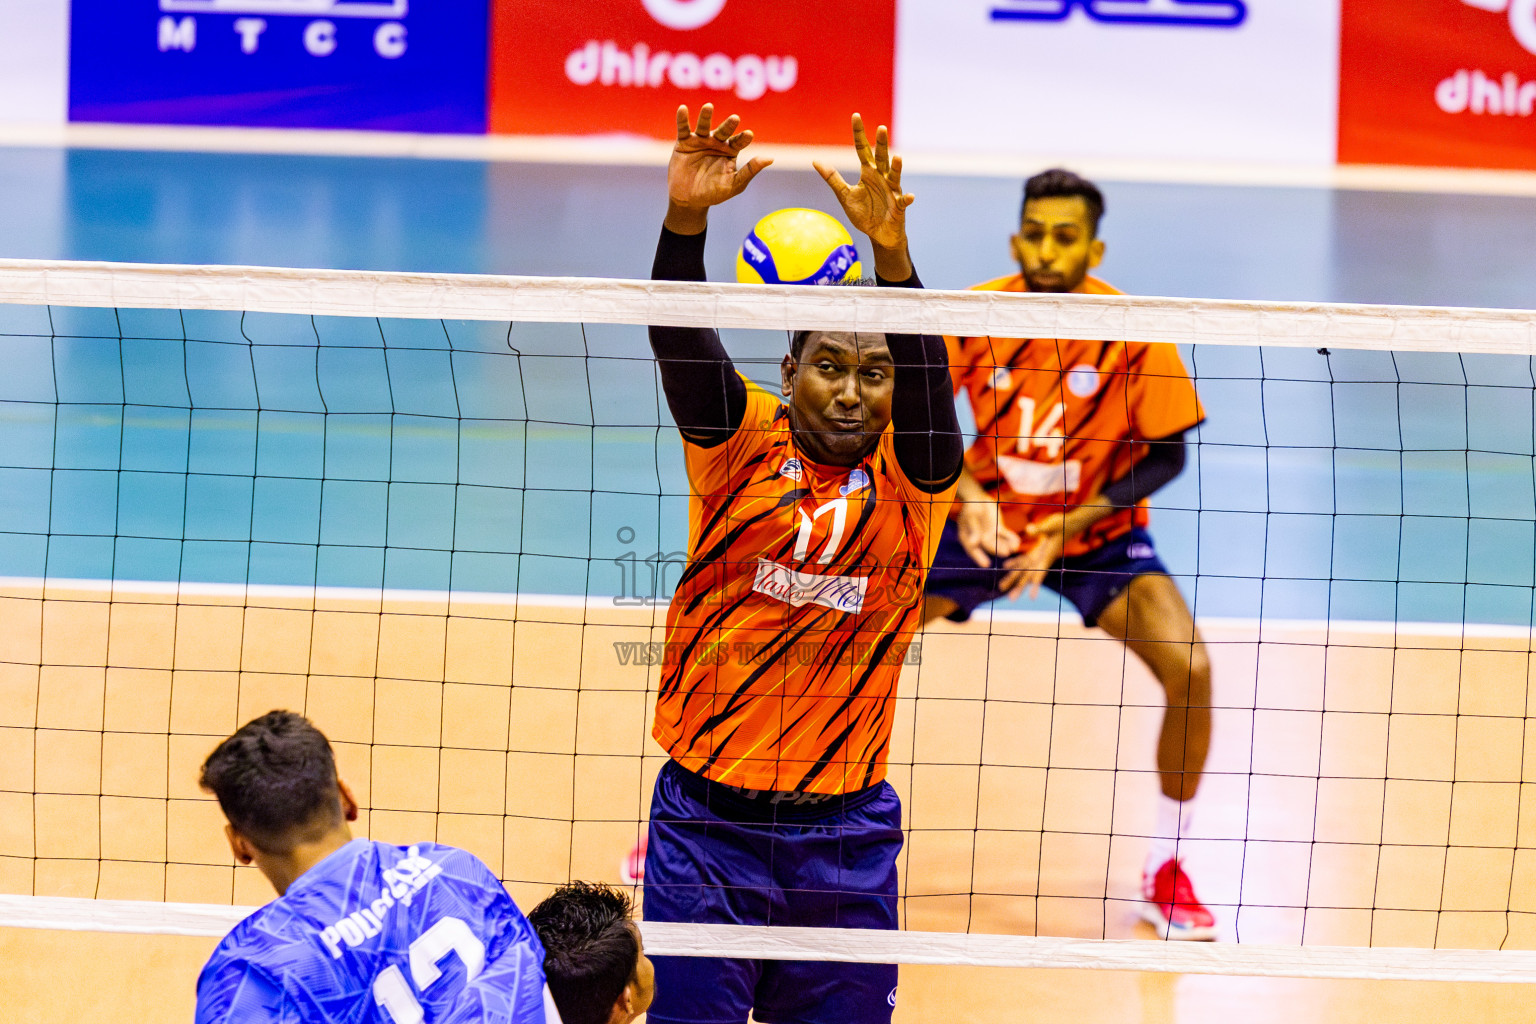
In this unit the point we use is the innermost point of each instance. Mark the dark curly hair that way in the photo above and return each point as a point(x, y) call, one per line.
point(275, 780)
point(590, 950)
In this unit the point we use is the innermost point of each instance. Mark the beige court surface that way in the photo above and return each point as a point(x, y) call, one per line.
point(1365, 786)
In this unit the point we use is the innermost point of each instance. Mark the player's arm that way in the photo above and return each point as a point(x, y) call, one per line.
point(927, 440)
point(1163, 460)
point(706, 395)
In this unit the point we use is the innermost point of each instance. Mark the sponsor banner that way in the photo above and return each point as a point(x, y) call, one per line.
point(1183, 80)
point(1448, 83)
point(794, 69)
point(402, 65)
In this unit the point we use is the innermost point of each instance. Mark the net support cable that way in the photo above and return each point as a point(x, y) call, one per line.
point(860, 945)
point(782, 307)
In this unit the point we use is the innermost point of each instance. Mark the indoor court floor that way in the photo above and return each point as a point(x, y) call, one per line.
point(1369, 754)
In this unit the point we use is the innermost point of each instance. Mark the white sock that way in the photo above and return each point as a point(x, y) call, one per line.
point(1169, 832)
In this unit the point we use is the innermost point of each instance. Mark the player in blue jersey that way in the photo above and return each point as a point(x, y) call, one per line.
point(361, 932)
point(594, 957)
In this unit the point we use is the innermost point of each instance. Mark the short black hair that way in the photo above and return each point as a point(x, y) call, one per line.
point(1058, 183)
point(276, 781)
point(797, 339)
point(590, 950)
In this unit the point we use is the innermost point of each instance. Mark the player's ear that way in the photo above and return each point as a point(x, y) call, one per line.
point(348, 801)
point(1016, 247)
point(787, 375)
point(624, 1006)
point(1095, 253)
point(239, 845)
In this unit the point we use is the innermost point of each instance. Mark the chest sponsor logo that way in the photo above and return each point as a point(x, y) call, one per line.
point(857, 481)
point(1028, 477)
point(797, 589)
point(1083, 380)
point(1185, 13)
point(792, 470)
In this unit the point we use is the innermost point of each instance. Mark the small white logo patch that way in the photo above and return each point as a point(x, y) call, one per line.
point(840, 593)
point(1000, 379)
point(891, 998)
point(792, 469)
point(857, 481)
point(1083, 380)
point(1140, 550)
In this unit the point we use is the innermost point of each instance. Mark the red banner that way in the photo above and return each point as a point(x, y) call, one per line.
point(794, 69)
point(1448, 83)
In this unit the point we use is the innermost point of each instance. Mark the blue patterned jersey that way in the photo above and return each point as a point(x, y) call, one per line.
point(381, 934)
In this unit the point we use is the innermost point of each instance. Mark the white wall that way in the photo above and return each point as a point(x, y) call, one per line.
point(34, 61)
point(1265, 91)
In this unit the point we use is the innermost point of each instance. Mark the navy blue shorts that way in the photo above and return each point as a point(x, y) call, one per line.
point(716, 856)
point(1089, 581)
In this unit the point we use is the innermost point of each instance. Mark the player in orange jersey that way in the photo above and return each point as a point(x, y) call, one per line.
point(812, 521)
point(1072, 437)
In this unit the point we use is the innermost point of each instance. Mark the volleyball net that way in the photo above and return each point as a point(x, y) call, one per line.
point(442, 516)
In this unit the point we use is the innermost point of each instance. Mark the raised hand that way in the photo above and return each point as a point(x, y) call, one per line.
point(876, 205)
point(703, 171)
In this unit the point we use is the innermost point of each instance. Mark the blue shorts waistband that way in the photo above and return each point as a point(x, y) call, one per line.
point(766, 805)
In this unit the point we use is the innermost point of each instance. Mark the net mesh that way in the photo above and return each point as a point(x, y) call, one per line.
point(447, 532)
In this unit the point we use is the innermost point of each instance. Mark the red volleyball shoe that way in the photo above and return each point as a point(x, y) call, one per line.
point(1169, 903)
point(632, 867)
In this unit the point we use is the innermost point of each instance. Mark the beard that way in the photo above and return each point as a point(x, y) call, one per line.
point(1054, 281)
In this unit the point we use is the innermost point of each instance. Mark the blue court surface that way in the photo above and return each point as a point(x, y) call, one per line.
point(464, 456)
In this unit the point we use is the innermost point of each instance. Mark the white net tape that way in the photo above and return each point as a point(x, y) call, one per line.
point(773, 307)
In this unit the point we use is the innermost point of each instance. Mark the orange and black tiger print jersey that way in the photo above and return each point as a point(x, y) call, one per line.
point(1057, 420)
point(792, 619)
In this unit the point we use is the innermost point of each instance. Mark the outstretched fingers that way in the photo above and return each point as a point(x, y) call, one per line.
point(727, 128)
point(883, 151)
point(706, 115)
point(840, 188)
point(744, 175)
point(861, 141)
point(684, 126)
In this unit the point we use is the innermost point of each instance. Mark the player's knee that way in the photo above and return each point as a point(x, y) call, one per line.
point(1185, 673)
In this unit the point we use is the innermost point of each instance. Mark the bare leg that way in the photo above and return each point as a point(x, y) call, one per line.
point(1151, 618)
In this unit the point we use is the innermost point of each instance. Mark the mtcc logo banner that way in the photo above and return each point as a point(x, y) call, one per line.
point(1192, 13)
point(393, 65)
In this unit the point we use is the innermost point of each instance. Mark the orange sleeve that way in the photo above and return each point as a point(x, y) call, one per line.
point(1162, 397)
point(709, 469)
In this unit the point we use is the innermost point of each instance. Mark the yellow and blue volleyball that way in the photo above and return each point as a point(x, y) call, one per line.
point(797, 247)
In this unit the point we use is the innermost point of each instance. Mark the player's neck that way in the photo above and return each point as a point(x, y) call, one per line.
point(282, 870)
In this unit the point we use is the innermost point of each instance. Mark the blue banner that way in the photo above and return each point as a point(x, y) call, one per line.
point(388, 65)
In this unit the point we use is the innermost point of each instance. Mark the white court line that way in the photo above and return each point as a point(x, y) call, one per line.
point(866, 946)
point(632, 150)
point(486, 297)
point(596, 604)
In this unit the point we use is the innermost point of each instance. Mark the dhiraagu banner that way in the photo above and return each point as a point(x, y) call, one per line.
point(395, 65)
